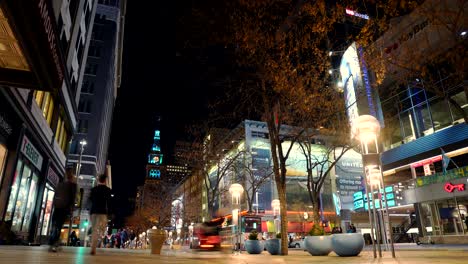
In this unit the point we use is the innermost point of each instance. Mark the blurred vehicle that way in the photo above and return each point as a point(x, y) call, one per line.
point(298, 243)
point(206, 236)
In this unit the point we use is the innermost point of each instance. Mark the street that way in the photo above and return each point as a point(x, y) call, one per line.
point(405, 254)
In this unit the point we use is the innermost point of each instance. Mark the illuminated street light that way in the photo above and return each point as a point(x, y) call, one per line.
point(366, 129)
point(236, 191)
point(275, 205)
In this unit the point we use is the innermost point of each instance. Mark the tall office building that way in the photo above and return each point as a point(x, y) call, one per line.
point(42, 47)
point(98, 91)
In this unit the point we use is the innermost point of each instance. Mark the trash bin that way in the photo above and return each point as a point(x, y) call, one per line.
point(156, 238)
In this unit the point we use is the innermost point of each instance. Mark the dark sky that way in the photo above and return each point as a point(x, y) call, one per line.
point(159, 79)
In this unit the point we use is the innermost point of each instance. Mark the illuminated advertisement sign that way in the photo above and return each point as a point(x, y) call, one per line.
point(360, 98)
point(356, 14)
point(360, 200)
point(351, 78)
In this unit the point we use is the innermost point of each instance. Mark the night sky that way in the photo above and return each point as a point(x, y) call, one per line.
point(158, 80)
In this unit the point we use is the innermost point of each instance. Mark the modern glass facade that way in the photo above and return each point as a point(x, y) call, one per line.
point(414, 111)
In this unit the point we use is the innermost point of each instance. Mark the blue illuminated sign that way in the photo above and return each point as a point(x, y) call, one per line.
point(358, 204)
point(154, 173)
point(360, 200)
point(357, 196)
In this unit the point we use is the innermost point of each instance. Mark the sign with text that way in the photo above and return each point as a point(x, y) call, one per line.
point(31, 153)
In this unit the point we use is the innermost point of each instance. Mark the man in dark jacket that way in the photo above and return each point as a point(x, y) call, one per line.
point(64, 201)
point(100, 206)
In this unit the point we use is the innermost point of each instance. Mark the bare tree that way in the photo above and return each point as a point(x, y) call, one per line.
point(320, 162)
point(254, 177)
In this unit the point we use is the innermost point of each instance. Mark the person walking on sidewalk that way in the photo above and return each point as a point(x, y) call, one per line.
point(64, 201)
point(100, 208)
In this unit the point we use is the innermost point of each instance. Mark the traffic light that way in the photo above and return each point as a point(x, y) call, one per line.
point(85, 224)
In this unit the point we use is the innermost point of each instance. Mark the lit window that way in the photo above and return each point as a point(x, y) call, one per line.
point(45, 102)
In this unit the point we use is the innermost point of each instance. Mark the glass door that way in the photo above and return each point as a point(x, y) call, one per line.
point(46, 210)
point(30, 203)
point(21, 199)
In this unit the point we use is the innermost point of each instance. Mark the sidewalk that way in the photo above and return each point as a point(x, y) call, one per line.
point(405, 254)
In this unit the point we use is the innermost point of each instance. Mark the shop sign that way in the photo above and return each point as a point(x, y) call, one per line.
point(441, 178)
point(426, 161)
point(52, 177)
point(449, 187)
point(31, 153)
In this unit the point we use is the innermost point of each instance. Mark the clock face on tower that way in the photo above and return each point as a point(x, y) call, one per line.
point(155, 159)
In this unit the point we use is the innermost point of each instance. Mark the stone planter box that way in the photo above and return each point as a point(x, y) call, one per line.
point(348, 244)
point(273, 246)
point(156, 238)
point(253, 246)
point(318, 245)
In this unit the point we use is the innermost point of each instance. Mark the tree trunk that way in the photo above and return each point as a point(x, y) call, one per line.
point(316, 209)
point(284, 218)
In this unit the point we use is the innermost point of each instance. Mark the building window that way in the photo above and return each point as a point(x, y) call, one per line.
point(91, 68)
point(94, 51)
point(460, 98)
point(83, 126)
point(61, 134)
point(88, 86)
point(46, 103)
point(84, 105)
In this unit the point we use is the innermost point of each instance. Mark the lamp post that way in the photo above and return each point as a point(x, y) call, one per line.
point(306, 216)
point(82, 146)
point(77, 174)
point(275, 205)
point(236, 190)
point(366, 128)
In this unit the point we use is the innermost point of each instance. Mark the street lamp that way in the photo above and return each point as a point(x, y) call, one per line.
point(82, 146)
point(366, 128)
point(275, 205)
point(236, 190)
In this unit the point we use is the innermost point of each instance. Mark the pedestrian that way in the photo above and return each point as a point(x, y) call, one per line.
point(73, 239)
point(352, 228)
point(64, 201)
point(100, 208)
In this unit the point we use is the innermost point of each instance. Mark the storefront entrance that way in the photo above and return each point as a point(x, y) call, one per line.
point(445, 217)
point(22, 197)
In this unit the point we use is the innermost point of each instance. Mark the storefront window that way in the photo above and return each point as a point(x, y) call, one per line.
point(21, 199)
point(3, 155)
point(14, 191)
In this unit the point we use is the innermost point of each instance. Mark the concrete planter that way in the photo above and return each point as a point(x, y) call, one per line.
point(253, 246)
point(273, 246)
point(318, 245)
point(348, 244)
point(156, 238)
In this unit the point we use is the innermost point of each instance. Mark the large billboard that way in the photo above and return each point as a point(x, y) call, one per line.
point(360, 97)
